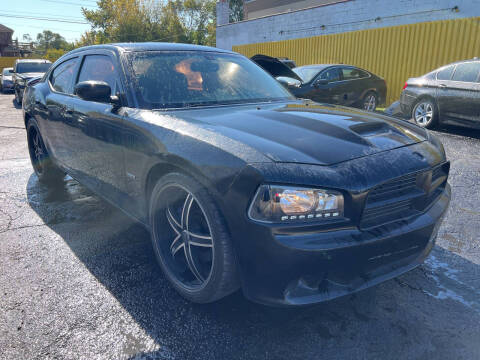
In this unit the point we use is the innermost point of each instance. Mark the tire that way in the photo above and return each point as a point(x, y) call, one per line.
point(18, 98)
point(203, 269)
point(425, 113)
point(370, 101)
point(42, 164)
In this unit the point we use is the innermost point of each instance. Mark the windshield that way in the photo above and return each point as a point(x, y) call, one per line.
point(307, 73)
point(32, 67)
point(186, 78)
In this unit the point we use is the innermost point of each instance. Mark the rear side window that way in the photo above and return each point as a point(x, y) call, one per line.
point(330, 75)
point(446, 74)
point(98, 68)
point(62, 76)
point(467, 72)
point(353, 73)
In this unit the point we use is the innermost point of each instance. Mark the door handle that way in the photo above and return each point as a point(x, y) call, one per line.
point(442, 85)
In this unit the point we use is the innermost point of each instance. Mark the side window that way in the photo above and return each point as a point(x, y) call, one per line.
point(62, 75)
point(467, 72)
point(99, 68)
point(330, 75)
point(353, 73)
point(446, 74)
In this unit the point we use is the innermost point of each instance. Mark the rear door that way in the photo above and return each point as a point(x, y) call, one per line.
point(353, 85)
point(458, 93)
point(59, 111)
point(98, 131)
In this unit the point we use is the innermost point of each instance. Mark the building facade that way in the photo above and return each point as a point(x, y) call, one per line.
point(278, 20)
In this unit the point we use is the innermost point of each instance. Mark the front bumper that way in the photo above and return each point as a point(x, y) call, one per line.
point(289, 270)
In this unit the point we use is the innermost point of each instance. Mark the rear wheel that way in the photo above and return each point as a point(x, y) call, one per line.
point(425, 114)
point(190, 240)
point(18, 97)
point(42, 164)
point(370, 101)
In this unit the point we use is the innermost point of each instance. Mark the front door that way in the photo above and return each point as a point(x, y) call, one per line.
point(99, 129)
point(327, 87)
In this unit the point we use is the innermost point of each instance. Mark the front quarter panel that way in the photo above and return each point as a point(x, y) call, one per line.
point(165, 142)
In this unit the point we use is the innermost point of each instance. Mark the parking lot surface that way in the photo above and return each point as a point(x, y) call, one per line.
point(78, 280)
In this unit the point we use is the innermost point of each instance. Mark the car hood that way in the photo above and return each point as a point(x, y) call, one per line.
point(30, 75)
point(308, 132)
point(275, 67)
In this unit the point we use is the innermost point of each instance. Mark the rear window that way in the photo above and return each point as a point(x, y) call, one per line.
point(353, 73)
point(32, 67)
point(467, 72)
point(446, 73)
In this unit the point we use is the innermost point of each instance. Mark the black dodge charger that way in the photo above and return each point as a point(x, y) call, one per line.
point(239, 183)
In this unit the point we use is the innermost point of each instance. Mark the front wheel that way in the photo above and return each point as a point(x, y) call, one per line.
point(190, 239)
point(425, 114)
point(370, 102)
point(42, 164)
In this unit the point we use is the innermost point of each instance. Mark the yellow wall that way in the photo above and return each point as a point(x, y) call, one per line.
point(394, 53)
point(7, 62)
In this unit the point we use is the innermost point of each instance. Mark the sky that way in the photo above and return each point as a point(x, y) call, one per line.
point(65, 10)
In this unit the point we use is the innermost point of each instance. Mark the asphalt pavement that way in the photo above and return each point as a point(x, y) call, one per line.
point(78, 280)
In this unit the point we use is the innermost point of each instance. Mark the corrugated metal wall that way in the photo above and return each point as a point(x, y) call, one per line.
point(395, 53)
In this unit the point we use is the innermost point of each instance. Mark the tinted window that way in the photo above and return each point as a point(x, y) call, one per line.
point(353, 73)
point(330, 75)
point(62, 75)
point(32, 67)
point(467, 72)
point(180, 79)
point(446, 74)
point(98, 68)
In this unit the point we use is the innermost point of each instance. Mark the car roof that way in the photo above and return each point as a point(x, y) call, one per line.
point(8, 68)
point(151, 46)
point(32, 60)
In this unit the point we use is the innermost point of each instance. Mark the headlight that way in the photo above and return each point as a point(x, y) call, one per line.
point(273, 203)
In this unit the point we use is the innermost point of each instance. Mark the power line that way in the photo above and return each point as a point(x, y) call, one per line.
point(67, 3)
point(17, 13)
point(44, 19)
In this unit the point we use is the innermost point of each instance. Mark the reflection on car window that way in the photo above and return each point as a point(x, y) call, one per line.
point(446, 73)
point(467, 72)
point(330, 75)
point(98, 68)
point(353, 73)
point(178, 79)
point(62, 76)
point(307, 73)
point(32, 67)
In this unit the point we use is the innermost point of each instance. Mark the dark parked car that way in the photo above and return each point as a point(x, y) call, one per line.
point(329, 83)
point(239, 183)
point(449, 95)
point(6, 82)
point(24, 70)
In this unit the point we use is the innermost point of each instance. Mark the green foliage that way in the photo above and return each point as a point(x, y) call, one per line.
point(190, 21)
point(54, 54)
point(48, 40)
point(236, 10)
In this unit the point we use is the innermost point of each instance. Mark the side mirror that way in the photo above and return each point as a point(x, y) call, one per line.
point(98, 91)
point(321, 82)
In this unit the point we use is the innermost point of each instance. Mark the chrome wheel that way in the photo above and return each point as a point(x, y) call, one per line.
point(370, 102)
point(184, 237)
point(423, 113)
